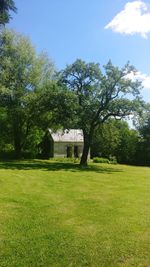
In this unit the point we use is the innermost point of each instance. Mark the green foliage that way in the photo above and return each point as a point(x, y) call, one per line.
point(84, 96)
point(5, 7)
point(105, 139)
point(5, 127)
point(22, 74)
point(100, 160)
point(127, 147)
point(143, 126)
point(115, 138)
point(113, 160)
point(55, 106)
point(110, 160)
point(99, 95)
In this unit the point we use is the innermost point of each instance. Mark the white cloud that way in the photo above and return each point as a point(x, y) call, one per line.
point(144, 78)
point(133, 19)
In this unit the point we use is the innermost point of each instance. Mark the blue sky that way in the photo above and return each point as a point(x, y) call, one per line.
point(94, 31)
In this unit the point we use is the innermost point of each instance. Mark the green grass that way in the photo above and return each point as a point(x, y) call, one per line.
point(56, 214)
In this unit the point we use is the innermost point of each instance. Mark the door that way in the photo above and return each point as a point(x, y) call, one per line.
point(69, 151)
point(76, 151)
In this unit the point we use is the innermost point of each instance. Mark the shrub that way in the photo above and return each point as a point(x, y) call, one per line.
point(11, 155)
point(113, 160)
point(7, 155)
point(100, 160)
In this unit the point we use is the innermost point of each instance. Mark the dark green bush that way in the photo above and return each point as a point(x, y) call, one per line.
point(11, 155)
point(101, 160)
point(7, 155)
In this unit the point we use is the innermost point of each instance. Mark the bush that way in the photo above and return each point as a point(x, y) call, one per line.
point(7, 155)
point(11, 155)
point(113, 160)
point(101, 160)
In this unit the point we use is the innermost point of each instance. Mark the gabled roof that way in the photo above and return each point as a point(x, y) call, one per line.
point(72, 135)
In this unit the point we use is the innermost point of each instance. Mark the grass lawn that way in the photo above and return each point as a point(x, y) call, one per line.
point(54, 214)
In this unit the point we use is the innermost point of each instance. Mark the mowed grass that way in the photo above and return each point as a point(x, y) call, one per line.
point(56, 214)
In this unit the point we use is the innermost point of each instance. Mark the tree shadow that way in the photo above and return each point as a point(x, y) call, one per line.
point(56, 166)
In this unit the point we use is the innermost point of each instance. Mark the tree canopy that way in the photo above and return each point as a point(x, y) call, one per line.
point(6, 6)
point(99, 95)
point(115, 139)
point(22, 74)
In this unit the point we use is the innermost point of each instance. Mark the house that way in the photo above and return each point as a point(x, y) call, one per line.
point(67, 143)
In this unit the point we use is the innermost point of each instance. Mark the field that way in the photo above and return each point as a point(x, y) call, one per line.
point(55, 214)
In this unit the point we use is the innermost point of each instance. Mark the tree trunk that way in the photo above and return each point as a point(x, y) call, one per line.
point(86, 147)
point(84, 157)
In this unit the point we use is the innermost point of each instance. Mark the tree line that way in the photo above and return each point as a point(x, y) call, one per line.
point(34, 96)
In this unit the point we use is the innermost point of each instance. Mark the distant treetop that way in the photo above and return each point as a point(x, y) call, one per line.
point(5, 7)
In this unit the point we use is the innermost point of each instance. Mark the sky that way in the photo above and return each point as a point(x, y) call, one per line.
point(94, 31)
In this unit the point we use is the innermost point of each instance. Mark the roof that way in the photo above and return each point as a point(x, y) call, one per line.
point(72, 135)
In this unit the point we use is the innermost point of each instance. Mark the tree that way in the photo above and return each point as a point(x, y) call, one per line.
point(22, 73)
point(99, 95)
point(5, 7)
point(5, 142)
point(128, 142)
point(106, 139)
point(143, 126)
point(115, 138)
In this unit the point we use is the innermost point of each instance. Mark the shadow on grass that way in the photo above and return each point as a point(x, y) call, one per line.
point(55, 166)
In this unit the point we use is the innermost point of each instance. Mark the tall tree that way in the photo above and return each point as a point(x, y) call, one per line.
point(99, 95)
point(6, 6)
point(22, 72)
point(142, 122)
point(128, 142)
point(115, 138)
point(105, 140)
